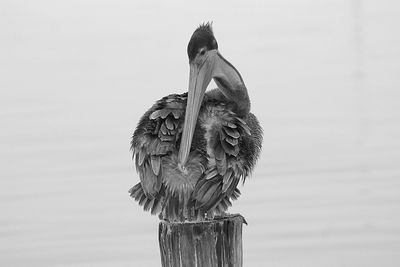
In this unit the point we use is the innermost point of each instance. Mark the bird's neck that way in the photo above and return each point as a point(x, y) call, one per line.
point(232, 86)
point(241, 99)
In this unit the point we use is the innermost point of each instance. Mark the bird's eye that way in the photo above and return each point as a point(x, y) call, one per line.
point(202, 52)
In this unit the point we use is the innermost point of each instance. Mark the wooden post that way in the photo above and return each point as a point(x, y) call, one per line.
point(216, 242)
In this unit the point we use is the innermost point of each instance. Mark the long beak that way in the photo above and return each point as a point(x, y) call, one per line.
point(200, 77)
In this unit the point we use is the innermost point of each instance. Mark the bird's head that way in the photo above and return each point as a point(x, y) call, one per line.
point(207, 63)
point(202, 40)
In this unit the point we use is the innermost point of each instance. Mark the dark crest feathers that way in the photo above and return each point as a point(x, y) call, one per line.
point(203, 36)
point(206, 27)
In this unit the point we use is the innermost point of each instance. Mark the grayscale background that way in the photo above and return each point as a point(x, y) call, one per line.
point(324, 80)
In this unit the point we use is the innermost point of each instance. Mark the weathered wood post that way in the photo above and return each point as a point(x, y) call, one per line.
point(216, 242)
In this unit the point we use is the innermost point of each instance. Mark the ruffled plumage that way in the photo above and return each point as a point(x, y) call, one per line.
point(224, 150)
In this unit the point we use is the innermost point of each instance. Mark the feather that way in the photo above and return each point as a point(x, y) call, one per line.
point(142, 199)
point(168, 138)
point(147, 205)
point(220, 159)
point(175, 105)
point(219, 153)
point(232, 141)
point(211, 174)
point(136, 191)
point(227, 181)
point(154, 115)
point(142, 156)
point(156, 208)
point(169, 123)
point(229, 124)
point(160, 148)
point(227, 176)
point(203, 187)
point(216, 210)
point(244, 125)
point(223, 204)
point(169, 100)
point(231, 132)
point(163, 129)
point(222, 135)
point(241, 120)
point(229, 149)
point(209, 195)
point(155, 164)
point(213, 201)
point(236, 150)
point(177, 113)
point(164, 113)
point(235, 194)
point(150, 183)
point(246, 129)
point(228, 202)
point(232, 186)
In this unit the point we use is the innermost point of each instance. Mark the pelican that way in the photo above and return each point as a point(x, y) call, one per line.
point(191, 150)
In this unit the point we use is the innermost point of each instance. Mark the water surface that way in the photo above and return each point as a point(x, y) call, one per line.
point(324, 81)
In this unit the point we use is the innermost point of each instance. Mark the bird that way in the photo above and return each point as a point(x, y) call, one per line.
point(191, 150)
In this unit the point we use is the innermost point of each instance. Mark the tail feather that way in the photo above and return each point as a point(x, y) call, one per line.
point(136, 192)
point(157, 206)
point(210, 197)
point(152, 204)
point(148, 204)
point(236, 194)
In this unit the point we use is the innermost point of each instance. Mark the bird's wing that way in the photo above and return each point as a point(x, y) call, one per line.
point(218, 185)
point(156, 136)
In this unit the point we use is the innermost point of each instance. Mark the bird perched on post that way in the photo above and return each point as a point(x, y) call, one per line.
point(192, 149)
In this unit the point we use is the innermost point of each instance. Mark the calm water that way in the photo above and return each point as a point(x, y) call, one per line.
point(75, 76)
